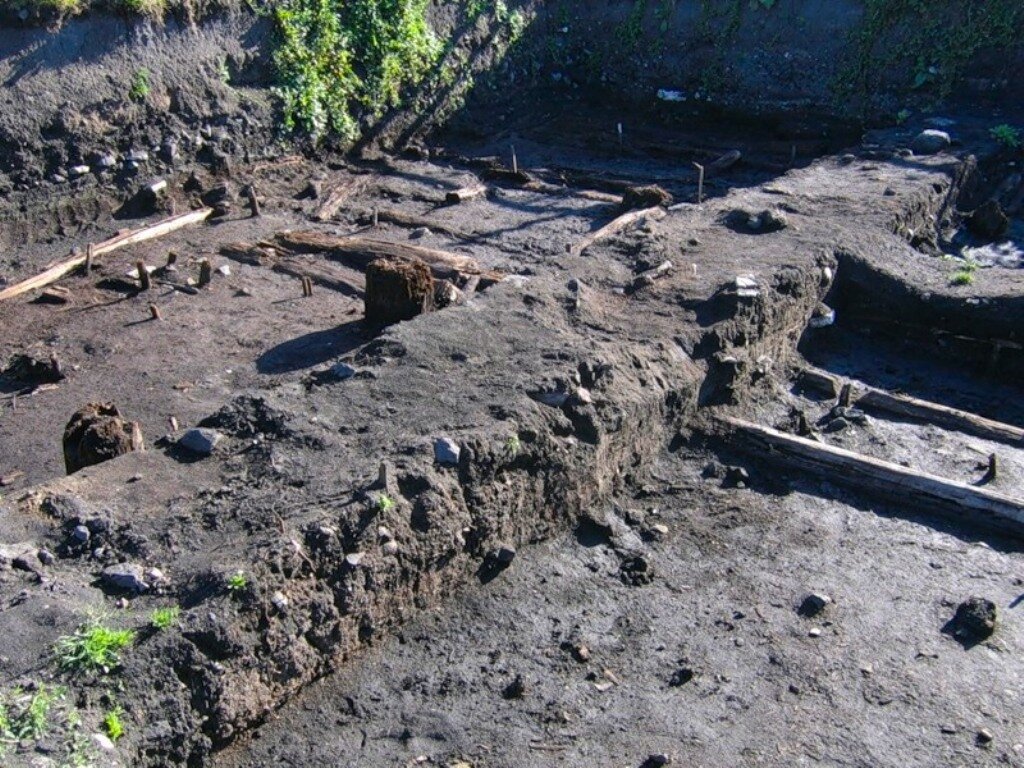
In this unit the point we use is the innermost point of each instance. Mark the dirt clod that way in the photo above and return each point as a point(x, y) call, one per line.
point(96, 433)
point(645, 197)
point(975, 619)
point(397, 290)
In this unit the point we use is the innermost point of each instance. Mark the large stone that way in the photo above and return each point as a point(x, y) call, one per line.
point(201, 440)
point(446, 451)
point(397, 289)
point(930, 142)
point(988, 221)
point(125, 576)
point(97, 433)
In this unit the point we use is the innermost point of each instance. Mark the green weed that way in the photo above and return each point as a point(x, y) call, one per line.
point(112, 723)
point(93, 648)
point(385, 503)
point(139, 88)
point(164, 618)
point(237, 582)
point(1007, 135)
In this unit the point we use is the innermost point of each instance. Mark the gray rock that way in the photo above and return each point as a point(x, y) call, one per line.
point(125, 576)
point(169, 151)
point(80, 534)
point(280, 601)
point(342, 371)
point(45, 557)
point(975, 619)
point(505, 554)
point(446, 451)
point(76, 171)
point(814, 604)
point(930, 142)
point(138, 156)
point(354, 559)
point(200, 440)
point(107, 161)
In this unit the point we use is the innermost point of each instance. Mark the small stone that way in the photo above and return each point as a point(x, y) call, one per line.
point(354, 559)
point(155, 576)
point(279, 601)
point(103, 741)
point(814, 604)
point(384, 534)
point(107, 161)
point(681, 677)
point(45, 557)
point(580, 652)
point(125, 576)
point(390, 547)
point(815, 632)
point(604, 686)
point(930, 142)
point(736, 477)
point(138, 156)
point(975, 619)
point(656, 760)
point(76, 171)
point(505, 554)
point(224, 269)
point(419, 232)
point(583, 396)
point(985, 736)
point(517, 688)
point(200, 440)
point(947, 728)
point(342, 371)
point(446, 451)
point(80, 534)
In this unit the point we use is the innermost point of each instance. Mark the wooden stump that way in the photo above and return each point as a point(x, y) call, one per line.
point(97, 433)
point(397, 289)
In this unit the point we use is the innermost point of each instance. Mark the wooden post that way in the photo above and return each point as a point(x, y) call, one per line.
point(307, 286)
point(205, 273)
point(55, 366)
point(700, 182)
point(154, 312)
point(88, 258)
point(515, 160)
point(993, 469)
point(254, 203)
point(172, 259)
point(144, 282)
point(376, 217)
point(845, 395)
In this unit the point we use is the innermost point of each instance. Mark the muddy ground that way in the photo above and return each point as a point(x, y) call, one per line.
point(581, 401)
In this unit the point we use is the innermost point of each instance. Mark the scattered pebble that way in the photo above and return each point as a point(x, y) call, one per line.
point(975, 619)
point(200, 440)
point(815, 632)
point(342, 371)
point(814, 604)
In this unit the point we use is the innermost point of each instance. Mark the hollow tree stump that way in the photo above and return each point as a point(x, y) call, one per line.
point(97, 433)
point(397, 289)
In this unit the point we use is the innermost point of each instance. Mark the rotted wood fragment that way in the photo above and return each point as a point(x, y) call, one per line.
point(615, 226)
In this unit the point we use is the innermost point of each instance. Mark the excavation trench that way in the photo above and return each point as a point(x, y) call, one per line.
point(559, 391)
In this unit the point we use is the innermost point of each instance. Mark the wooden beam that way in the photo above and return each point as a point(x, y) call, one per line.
point(332, 276)
point(958, 500)
point(924, 410)
point(358, 252)
point(617, 225)
point(465, 194)
point(337, 197)
point(414, 222)
point(121, 240)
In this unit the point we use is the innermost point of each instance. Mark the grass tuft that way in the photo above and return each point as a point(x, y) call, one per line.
point(93, 648)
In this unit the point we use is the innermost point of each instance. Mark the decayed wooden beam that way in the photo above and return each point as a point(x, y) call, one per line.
point(923, 410)
point(414, 222)
point(337, 197)
point(865, 473)
point(335, 277)
point(358, 252)
point(617, 225)
point(131, 237)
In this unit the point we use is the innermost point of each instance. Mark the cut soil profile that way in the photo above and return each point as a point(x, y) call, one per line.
point(523, 441)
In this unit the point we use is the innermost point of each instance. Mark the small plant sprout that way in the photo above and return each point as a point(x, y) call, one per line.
point(902, 116)
point(513, 445)
point(1007, 135)
point(164, 618)
point(26, 716)
point(385, 503)
point(139, 88)
point(965, 274)
point(237, 582)
point(95, 647)
point(113, 724)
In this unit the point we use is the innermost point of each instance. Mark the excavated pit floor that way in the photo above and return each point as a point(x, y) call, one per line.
point(426, 638)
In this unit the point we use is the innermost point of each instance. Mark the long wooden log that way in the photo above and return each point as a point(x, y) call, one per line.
point(337, 197)
point(131, 237)
point(408, 220)
point(335, 277)
point(617, 225)
point(465, 194)
point(358, 252)
point(865, 473)
point(876, 399)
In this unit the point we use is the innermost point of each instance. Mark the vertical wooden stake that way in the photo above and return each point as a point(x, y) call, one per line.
point(172, 259)
point(515, 160)
point(205, 273)
point(144, 282)
point(700, 182)
point(254, 203)
point(993, 468)
point(619, 128)
point(846, 395)
point(154, 312)
point(55, 366)
point(376, 217)
point(88, 258)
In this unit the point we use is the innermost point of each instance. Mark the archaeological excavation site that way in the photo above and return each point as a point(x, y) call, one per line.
point(504, 383)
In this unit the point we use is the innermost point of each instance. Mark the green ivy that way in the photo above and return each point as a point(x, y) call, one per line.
point(340, 60)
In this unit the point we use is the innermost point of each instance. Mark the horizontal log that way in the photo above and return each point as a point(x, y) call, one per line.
point(131, 237)
point(963, 502)
point(465, 194)
point(403, 219)
point(338, 195)
point(617, 225)
point(872, 398)
point(335, 277)
point(358, 252)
